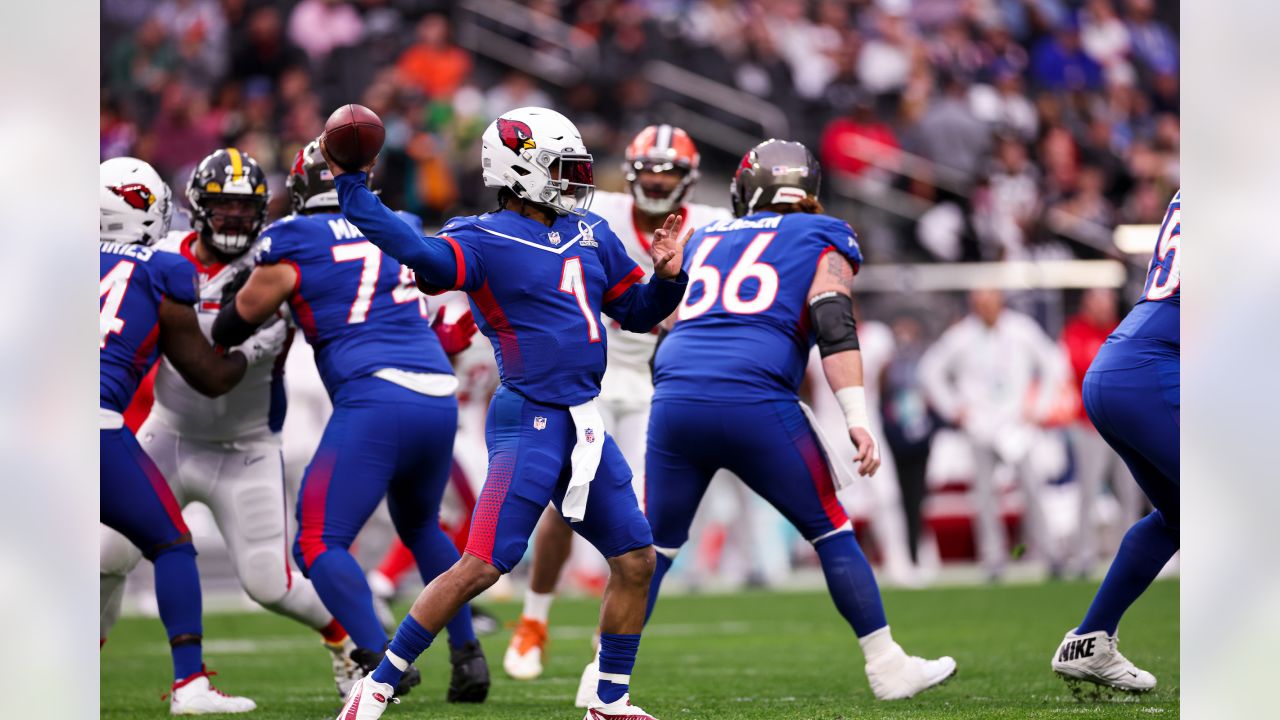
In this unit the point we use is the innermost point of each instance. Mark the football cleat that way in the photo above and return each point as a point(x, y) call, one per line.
point(367, 700)
point(523, 659)
point(1094, 657)
point(897, 675)
point(368, 661)
point(345, 670)
point(620, 708)
point(195, 695)
point(587, 685)
point(470, 680)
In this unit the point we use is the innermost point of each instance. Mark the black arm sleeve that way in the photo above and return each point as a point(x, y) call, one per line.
point(832, 317)
point(229, 329)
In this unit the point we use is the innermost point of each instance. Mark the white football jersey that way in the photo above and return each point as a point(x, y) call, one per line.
point(628, 350)
point(255, 407)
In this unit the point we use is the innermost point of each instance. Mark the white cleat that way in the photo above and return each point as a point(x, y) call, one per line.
point(195, 695)
point(897, 675)
point(345, 670)
point(368, 700)
point(587, 686)
point(523, 659)
point(1093, 657)
point(620, 708)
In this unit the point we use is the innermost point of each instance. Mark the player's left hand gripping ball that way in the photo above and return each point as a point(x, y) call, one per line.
point(667, 251)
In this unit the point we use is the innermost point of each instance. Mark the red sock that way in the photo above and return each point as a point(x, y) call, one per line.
point(333, 633)
point(397, 560)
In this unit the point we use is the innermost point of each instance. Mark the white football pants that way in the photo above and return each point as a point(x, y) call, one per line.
point(242, 483)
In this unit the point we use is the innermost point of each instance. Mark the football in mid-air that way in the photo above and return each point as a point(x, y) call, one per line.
point(353, 134)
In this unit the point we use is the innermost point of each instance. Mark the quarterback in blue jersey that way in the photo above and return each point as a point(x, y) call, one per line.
point(762, 290)
point(1132, 393)
point(539, 270)
point(146, 308)
point(394, 410)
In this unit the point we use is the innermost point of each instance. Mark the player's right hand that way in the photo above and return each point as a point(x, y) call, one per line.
point(265, 344)
point(334, 167)
point(868, 457)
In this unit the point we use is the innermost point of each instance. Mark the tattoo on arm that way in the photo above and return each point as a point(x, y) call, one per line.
point(839, 271)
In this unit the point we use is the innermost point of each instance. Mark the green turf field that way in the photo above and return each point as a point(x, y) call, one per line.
point(752, 655)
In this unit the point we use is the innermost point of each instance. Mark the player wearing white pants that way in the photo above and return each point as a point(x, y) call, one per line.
point(661, 168)
point(225, 452)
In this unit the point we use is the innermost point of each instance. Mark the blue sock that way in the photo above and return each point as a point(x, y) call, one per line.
point(659, 572)
point(435, 553)
point(178, 595)
point(340, 583)
point(411, 640)
point(1146, 548)
point(851, 583)
point(617, 657)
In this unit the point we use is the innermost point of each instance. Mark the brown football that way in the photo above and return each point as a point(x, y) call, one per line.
point(353, 135)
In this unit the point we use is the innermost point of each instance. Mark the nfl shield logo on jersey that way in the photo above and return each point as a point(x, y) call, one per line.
point(539, 423)
point(589, 434)
point(553, 237)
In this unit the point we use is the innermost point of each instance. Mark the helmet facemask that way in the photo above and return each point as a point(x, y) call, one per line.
point(570, 181)
point(230, 223)
point(663, 203)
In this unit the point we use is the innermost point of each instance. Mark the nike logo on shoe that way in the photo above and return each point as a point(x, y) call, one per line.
point(1076, 649)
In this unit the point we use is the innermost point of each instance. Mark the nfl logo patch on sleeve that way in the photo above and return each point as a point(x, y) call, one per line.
point(589, 434)
point(539, 423)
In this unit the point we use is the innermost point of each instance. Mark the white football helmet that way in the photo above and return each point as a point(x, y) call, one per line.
point(539, 155)
point(134, 202)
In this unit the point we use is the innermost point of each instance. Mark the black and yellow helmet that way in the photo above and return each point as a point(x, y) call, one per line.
point(228, 195)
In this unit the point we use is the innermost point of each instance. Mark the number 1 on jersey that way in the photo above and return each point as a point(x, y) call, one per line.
point(571, 282)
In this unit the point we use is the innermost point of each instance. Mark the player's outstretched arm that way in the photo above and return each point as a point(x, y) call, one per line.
point(831, 313)
point(204, 369)
point(431, 259)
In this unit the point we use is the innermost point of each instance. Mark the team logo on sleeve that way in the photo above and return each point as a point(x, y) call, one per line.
point(516, 135)
point(539, 423)
point(137, 195)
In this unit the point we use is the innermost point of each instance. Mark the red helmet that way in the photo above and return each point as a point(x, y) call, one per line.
point(660, 149)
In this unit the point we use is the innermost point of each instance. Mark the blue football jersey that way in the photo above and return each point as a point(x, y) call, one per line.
point(541, 312)
point(742, 333)
point(358, 308)
point(132, 281)
point(1154, 324)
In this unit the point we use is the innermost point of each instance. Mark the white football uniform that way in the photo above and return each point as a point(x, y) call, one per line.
point(224, 452)
point(627, 389)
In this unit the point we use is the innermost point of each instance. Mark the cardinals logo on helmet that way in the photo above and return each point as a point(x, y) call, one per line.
point(137, 195)
point(516, 135)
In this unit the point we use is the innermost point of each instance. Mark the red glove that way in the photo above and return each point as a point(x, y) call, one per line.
point(455, 336)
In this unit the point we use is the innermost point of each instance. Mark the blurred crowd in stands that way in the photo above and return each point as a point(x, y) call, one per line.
point(1002, 129)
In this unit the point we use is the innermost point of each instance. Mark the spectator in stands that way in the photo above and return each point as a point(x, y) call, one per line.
point(319, 26)
point(979, 376)
point(1059, 64)
point(1007, 206)
point(1004, 104)
point(949, 132)
point(1095, 461)
point(262, 50)
point(887, 57)
point(516, 90)
point(433, 64)
point(851, 143)
point(1153, 44)
point(1103, 35)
